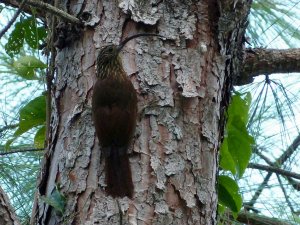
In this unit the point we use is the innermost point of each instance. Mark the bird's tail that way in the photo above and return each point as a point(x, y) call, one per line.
point(118, 172)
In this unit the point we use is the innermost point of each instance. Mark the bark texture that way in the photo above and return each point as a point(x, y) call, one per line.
point(183, 85)
point(259, 61)
point(7, 213)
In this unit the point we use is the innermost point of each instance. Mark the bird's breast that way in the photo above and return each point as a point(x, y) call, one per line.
point(108, 92)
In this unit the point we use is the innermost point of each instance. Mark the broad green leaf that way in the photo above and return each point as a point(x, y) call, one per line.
point(26, 66)
point(25, 30)
point(33, 34)
point(39, 139)
point(228, 194)
point(221, 209)
point(239, 144)
point(15, 40)
point(8, 143)
point(226, 160)
point(31, 115)
point(236, 148)
point(239, 107)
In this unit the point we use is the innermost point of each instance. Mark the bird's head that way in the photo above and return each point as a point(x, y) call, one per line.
point(108, 60)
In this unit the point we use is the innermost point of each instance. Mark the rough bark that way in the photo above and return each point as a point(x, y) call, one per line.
point(7, 213)
point(183, 84)
point(259, 61)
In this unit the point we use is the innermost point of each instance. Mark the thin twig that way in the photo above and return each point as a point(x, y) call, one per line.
point(267, 160)
point(274, 169)
point(8, 127)
point(288, 152)
point(286, 196)
point(259, 190)
point(295, 184)
point(254, 219)
point(22, 151)
point(11, 22)
point(53, 10)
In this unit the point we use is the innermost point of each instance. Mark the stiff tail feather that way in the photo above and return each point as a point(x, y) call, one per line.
point(118, 173)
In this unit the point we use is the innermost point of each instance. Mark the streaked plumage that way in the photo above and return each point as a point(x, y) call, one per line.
point(114, 107)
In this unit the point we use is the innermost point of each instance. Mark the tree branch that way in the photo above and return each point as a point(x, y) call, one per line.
point(258, 152)
point(295, 184)
point(289, 151)
point(286, 196)
point(46, 8)
point(11, 22)
point(274, 169)
point(255, 219)
point(8, 127)
point(279, 161)
point(267, 61)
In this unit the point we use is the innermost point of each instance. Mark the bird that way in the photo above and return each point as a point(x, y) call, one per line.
point(114, 112)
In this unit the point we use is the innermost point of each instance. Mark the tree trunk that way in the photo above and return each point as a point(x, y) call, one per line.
point(183, 85)
point(7, 213)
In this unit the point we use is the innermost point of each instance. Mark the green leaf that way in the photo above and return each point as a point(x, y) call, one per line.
point(26, 66)
point(33, 34)
point(236, 149)
point(226, 160)
point(25, 30)
point(31, 115)
point(239, 107)
point(239, 144)
point(221, 209)
point(8, 143)
point(57, 200)
point(228, 194)
point(15, 40)
point(39, 139)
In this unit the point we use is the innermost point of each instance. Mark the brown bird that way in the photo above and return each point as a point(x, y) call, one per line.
point(114, 108)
